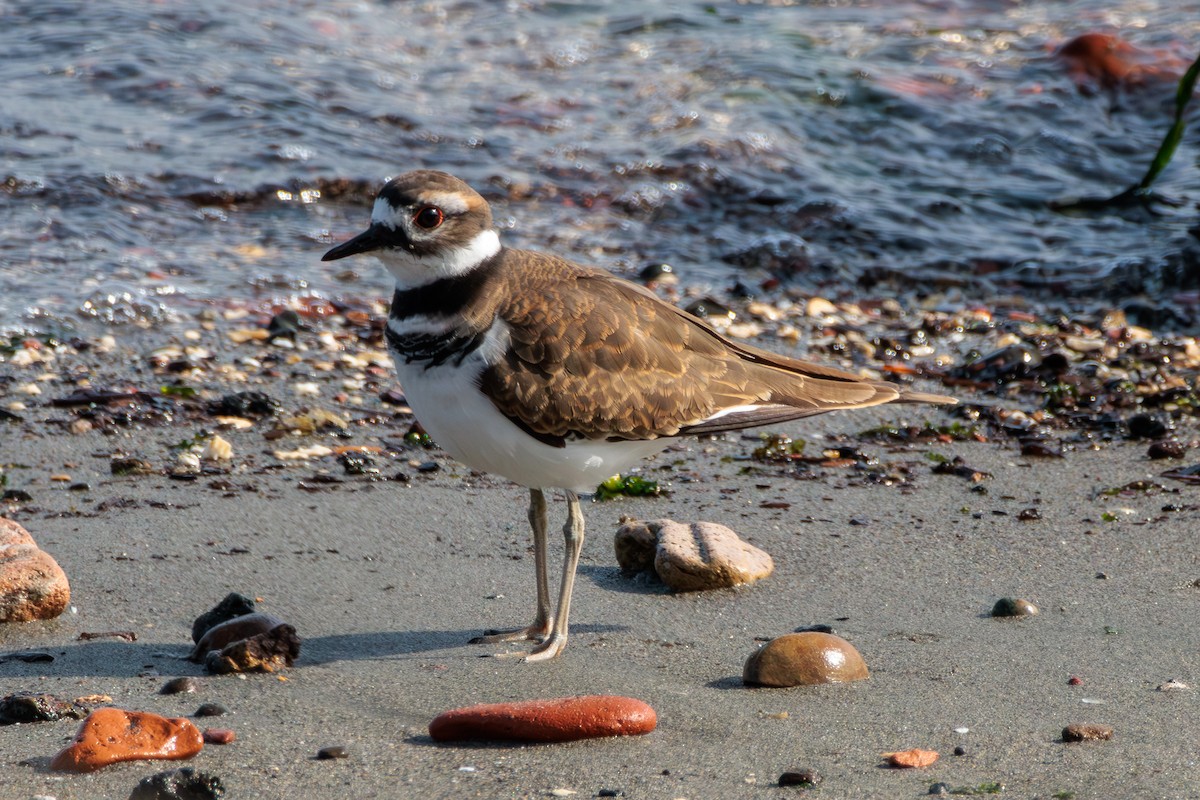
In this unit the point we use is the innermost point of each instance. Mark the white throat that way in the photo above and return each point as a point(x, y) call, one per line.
point(411, 270)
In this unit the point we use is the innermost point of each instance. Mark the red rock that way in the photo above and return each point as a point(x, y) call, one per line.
point(111, 735)
point(802, 659)
point(560, 719)
point(1106, 61)
point(219, 736)
point(32, 585)
point(908, 759)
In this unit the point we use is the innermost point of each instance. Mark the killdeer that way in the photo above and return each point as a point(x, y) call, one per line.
point(558, 376)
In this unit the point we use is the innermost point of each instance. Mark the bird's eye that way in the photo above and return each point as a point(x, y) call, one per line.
point(428, 217)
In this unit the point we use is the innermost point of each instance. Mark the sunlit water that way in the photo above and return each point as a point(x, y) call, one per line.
point(158, 156)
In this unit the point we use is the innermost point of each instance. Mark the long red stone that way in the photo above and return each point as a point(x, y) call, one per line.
point(110, 735)
point(560, 719)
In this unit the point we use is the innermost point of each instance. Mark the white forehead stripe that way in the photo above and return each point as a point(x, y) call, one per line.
point(450, 202)
point(385, 214)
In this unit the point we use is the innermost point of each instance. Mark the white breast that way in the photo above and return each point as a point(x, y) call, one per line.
point(448, 403)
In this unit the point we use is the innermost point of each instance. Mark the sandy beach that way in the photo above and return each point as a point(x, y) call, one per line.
point(385, 581)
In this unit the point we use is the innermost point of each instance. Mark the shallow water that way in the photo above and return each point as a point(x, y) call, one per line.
point(157, 157)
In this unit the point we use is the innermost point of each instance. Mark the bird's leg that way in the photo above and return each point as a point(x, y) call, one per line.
point(541, 620)
point(552, 645)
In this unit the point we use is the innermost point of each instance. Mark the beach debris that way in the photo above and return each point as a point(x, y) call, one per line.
point(21, 707)
point(130, 465)
point(232, 605)
point(219, 736)
point(690, 557)
point(1075, 680)
point(331, 752)
point(910, 759)
point(1085, 732)
point(232, 630)
point(210, 710)
point(244, 404)
point(553, 720)
point(126, 636)
point(1013, 607)
point(32, 584)
point(1167, 448)
point(187, 685)
point(1173, 685)
point(263, 652)
point(628, 486)
point(111, 735)
point(217, 449)
point(804, 659)
point(801, 778)
point(179, 784)
point(957, 467)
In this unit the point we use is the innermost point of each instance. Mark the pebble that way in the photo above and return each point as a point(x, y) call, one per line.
point(1081, 732)
point(1166, 449)
point(219, 736)
point(909, 759)
point(692, 557)
point(179, 784)
point(180, 686)
point(111, 735)
point(554, 720)
point(32, 584)
point(128, 465)
point(332, 752)
point(210, 710)
point(1013, 607)
point(804, 659)
point(804, 778)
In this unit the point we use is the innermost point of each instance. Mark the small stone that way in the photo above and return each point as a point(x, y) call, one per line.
point(819, 307)
point(1081, 732)
point(24, 707)
point(911, 759)
point(1075, 680)
point(804, 778)
point(179, 784)
point(1166, 449)
point(210, 710)
point(244, 404)
point(960, 751)
point(557, 720)
point(635, 545)
point(219, 736)
point(1013, 607)
point(1147, 426)
point(32, 585)
point(232, 630)
point(702, 555)
point(804, 659)
point(129, 465)
point(234, 605)
point(180, 686)
point(939, 789)
point(264, 652)
point(110, 735)
point(1173, 685)
point(332, 752)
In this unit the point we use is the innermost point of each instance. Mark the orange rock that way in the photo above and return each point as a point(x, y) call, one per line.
point(911, 758)
point(110, 735)
point(560, 719)
point(1100, 59)
point(803, 659)
point(32, 585)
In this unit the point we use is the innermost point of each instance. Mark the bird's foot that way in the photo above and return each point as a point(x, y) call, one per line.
point(550, 647)
point(537, 632)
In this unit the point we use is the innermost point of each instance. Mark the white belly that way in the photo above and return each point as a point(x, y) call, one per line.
point(463, 421)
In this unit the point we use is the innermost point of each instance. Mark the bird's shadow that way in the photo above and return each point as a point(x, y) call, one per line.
point(121, 659)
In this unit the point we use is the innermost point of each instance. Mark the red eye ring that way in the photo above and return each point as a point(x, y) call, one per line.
point(428, 217)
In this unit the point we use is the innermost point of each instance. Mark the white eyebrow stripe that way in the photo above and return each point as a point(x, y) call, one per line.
point(450, 202)
point(385, 214)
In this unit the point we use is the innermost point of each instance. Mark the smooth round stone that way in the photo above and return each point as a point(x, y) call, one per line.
point(210, 710)
point(561, 719)
point(111, 735)
point(1013, 607)
point(804, 659)
point(180, 686)
point(332, 752)
point(32, 585)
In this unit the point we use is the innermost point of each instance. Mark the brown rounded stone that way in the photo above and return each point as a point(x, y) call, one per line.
point(111, 735)
point(1083, 732)
point(635, 545)
point(32, 585)
point(561, 719)
point(694, 557)
point(804, 659)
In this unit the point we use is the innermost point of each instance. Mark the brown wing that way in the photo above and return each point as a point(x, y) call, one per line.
point(597, 357)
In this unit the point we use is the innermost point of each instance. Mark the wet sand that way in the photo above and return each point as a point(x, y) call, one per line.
point(386, 581)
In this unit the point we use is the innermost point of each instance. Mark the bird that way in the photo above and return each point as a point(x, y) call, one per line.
point(558, 376)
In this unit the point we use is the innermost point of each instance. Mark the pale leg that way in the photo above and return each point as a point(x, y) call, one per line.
point(573, 534)
point(541, 620)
